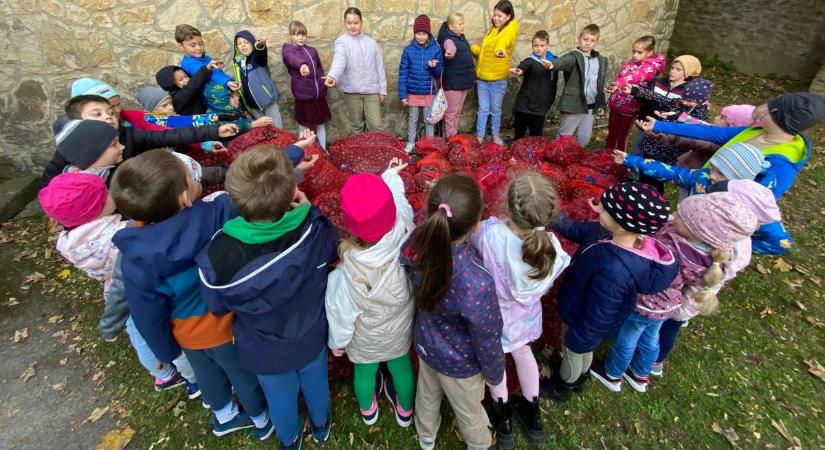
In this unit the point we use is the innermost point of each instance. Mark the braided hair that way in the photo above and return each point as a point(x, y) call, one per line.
point(531, 200)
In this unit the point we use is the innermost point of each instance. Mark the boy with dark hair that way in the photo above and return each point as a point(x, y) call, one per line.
point(171, 225)
point(269, 267)
point(218, 90)
point(538, 90)
point(185, 90)
point(583, 96)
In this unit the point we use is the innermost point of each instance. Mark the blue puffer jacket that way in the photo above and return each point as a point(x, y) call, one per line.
point(459, 72)
point(600, 287)
point(414, 75)
point(257, 89)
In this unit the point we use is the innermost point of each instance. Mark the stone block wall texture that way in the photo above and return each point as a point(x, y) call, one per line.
point(46, 44)
point(760, 36)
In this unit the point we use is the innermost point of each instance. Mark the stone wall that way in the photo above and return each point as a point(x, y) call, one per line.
point(45, 44)
point(760, 36)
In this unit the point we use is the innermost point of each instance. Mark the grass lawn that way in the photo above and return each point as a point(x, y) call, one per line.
point(739, 378)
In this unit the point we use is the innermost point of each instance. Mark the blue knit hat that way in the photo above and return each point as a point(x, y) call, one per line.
point(739, 161)
point(91, 86)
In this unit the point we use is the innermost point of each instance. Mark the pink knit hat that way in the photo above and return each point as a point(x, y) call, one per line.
point(74, 199)
point(368, 207)
point(739, 115)
point(757, 198)
point(718, 219)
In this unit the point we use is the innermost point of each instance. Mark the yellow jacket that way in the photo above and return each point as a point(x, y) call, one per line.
point(490, 67)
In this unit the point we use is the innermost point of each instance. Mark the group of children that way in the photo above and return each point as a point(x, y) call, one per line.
point(242, 294)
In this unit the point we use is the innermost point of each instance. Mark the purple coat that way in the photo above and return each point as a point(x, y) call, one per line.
point(304, 88)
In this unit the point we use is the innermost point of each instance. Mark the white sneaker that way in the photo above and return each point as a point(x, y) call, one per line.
point(426, 443)
point(410, 147)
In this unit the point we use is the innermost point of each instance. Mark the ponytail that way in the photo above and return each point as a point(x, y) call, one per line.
point(532, 200)
point(453, 210)
point(706, 298)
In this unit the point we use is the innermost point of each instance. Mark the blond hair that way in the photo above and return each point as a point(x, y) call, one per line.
point(531, 200)
point(296, 27)
point(706, 298)
point(451, 19)
point(261, 183)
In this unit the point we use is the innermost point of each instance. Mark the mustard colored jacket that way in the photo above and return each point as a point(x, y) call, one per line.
point(490, 67)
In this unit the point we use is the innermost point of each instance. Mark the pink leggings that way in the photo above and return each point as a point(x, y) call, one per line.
point(455, 101)
point(528, 376)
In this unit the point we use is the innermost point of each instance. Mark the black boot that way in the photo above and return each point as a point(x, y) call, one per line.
point(555, 388)
point(578, 386)
point(501, 418)
point(528, 414)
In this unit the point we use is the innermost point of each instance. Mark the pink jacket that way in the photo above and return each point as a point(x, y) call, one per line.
point(634, 73)
point(89, 247)
point(519, 296)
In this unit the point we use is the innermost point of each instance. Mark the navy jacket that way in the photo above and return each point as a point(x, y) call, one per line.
point(459, 72)
point(257, 89)
point(415, 76)
point(276, 291)
point(538, 88)
point(600, 287)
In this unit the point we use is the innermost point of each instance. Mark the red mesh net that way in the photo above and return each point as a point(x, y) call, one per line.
point(563, 151)
point(530, 149)
point(265, 135)
point(464, 152)
point(330, 204)
point(557, 176)
point(322, 177)
point(492, 179)
point(431, 144)
point(366, 152)
point(602, 161)
point(430, 169)
point(493, 153)
point(418, 202)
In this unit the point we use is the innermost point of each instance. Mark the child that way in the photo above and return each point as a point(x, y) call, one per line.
point(186, 91)
point(92, 86)
point(703, 234)
point(358, 66)
point(493, 67)
point(258, 93)
point(600, 286)
point(459, 69)
point(218, 90)
point(641, 69)
point(421, 61)
point(710, 235)
point(524, 261)
point(538, 90)
point(82, 204)
point(158, 107)
point(89, 146)
point(269, 267)
point(458, 322)
point(369, 304)
point(306, 75)
point(584, 70)
point(158, 261)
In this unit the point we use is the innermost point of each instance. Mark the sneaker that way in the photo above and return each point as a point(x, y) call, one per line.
point(685, 324)
point(410, 147)
point(402, 417)
point(657, 369)
point(192, 390)
point(426, 443)
point(598, 372)
point(371, 416)
point(239, 422)
point(264, 432)
point(480, 139)
point(497, 139)
point(321, 434)
point(174, 381)
point(295, 445)
point(638, 383)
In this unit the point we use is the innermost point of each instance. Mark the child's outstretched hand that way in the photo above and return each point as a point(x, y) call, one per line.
point(397, 165)
point(405, 102)
point(328, 81)
point(228, 130)
point(665, 114)
point(501, 54)
point(218, 147)
point(306, 138)
point(619, 156)
point(304, 165)
point(647, 124)
point(214, 65)
point(260, 44)
point(627, 88)
point(337, 352)
point(304, 70)
point(516, 71)
point(234, 85)
point(300, 199)
point(261, 122)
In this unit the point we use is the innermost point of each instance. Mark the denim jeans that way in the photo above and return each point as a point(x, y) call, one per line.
point(490, 96)
point(667, 337)
point(150, 362)
point(412, 123)
point(219, 370)
point(640, 334)
point(281, 391)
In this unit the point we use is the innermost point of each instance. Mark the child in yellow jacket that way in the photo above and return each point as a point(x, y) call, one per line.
point(493, 67)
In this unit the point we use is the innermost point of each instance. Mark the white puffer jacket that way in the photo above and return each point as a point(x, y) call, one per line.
point(369, 302)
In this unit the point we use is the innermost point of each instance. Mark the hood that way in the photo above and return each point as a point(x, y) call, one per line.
point(653, 267)
point(246, 34)
point(251, 289)
point(88, 247)
point(166, 78)
point(375, 273)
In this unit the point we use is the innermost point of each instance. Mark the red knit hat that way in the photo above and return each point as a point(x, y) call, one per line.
point(368, 207)
point(74, 198)
point(422, 23)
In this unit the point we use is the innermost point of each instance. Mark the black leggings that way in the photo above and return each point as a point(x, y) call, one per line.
point(524, 121)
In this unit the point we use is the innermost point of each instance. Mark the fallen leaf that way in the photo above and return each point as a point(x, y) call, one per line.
point(63, 274)
point(801, 306)
point(28, 373)
point(35, 277)
point(116, 439)
point(98, 375)
point(373, 429)
point(12, 301)
point(351, 438)
point(729, 434)
point(638, 427)
point(793, 284)
point(12, 412)
point(61, 387)
point(782, 265)
point(815, 369)
point(762, 269)
point(97, 414)
point(63, 361)
point(765, 312)
point(815, 322)
point(179, 409)
point(21, 334)
point(786, 434)
point(54, 319)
